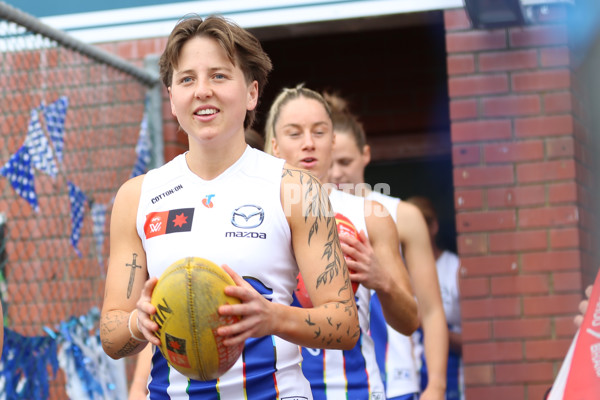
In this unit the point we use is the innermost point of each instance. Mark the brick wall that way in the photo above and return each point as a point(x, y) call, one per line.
point(521, 176)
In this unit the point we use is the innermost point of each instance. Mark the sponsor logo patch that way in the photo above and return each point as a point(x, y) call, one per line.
point(172, 221)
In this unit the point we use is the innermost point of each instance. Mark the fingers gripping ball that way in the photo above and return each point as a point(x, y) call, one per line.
point(187, 297)
point(344, 227)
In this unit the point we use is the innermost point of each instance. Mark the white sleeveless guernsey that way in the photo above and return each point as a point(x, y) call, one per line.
point(235, 219)
point(351, 374)
point(394, 350)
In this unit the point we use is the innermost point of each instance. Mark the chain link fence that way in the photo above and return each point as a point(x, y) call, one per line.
point(72, 130)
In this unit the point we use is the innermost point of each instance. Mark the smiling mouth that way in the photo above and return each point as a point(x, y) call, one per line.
point(206, 111)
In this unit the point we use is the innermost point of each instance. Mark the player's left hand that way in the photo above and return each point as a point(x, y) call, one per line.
point(360, 258)
point(254, 310)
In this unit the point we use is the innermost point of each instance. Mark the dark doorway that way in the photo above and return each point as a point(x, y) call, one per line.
point(393, 71)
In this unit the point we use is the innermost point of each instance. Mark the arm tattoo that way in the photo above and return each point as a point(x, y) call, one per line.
point(316, 204)
point(317, 207)
point(133, 266)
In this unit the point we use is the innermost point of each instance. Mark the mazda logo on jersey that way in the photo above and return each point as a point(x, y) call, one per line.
point(172, 221)
point(247, 217)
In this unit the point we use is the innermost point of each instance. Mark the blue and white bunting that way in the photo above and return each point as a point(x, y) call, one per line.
point(42, 156)
point(142, 149)
point(19, 172)
point(55, 114)
point(28, 365)
point(98, 212)
point(78, 200)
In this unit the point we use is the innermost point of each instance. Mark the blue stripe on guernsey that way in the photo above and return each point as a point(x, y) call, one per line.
point(453, 386)
point(379, 334)
point(258, 383)
point(357, 377)
point(355, 372)
point(159, 384)
point(207, 390)
point(313, 367)
point(453, 379)
point(264, 358)
point(410, 396)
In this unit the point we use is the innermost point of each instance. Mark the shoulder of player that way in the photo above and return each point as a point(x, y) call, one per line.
point(408, 214)
point(378, 220)
point(291, 174)
point(129, 192)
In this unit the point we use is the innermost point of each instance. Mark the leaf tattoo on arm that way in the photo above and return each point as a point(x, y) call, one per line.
point(316, 205)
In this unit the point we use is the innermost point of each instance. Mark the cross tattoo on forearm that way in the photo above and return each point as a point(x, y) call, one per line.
point(133, 266)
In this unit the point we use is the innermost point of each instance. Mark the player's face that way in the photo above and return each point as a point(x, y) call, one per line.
point(304, 136)
point(209, 95)
point(348, 163)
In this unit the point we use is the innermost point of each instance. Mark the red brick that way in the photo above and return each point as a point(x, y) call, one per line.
point(513, 152)
point(551, 261)
point(507, 60)
point(490, 308)
point(557, 102)
point(457, 42)
point(509, 106)
point(538, 36)
point(475, 85)
point(485, 221)
point(463, 155)
point(524, 372)
point(520, 284)
point(546, 171)
point(564, 326)
point(551, 125)
point(474, 287)
point(560, 148)
point(537, 391)
point(554, 349)
point(518, 241)
point(495, 392)
point(492, 351)
point(468, 199)
point(562, 192)
point(559, 216)
point(567, 281)
point(473, 331)
point(463, 109)
point(565, 238)
point(551, 305)
point(456, 19)
point(127, 50)
point(516, 196)
point(476, 375)
point(489, 265)
point(471, 244)
point(481, 130)
point(461, 64)
point(555, 57)
point(521, 328)
point(541, 80)
point(483, 176)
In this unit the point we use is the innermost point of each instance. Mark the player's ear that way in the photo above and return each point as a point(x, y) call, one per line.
point(252, 96)
point(366, 155)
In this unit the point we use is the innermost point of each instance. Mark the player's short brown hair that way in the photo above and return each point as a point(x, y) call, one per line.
point(242, 48)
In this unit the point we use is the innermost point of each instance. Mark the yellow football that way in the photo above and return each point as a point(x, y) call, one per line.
point(187, 297)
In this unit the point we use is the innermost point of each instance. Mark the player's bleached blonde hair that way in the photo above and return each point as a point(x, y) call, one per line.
point(285, 96)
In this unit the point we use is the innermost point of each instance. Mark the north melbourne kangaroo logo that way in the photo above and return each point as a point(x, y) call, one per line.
point(247, 216)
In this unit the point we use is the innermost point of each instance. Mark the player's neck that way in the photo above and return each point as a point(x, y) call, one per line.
point(208, 162)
